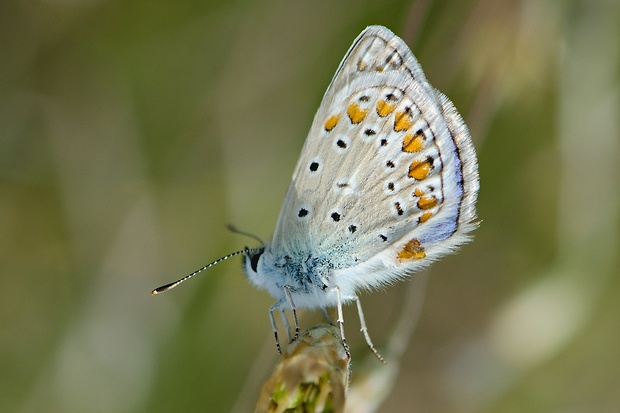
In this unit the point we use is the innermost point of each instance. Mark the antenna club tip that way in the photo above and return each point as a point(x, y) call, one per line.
point(154, 292)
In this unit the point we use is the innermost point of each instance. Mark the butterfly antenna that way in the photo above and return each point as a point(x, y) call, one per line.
point(236, 230)
point(170, 286)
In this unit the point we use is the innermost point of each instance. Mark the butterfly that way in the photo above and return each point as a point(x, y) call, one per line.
point(386, 183)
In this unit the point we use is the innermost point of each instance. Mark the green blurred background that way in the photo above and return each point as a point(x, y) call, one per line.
point(131, 132)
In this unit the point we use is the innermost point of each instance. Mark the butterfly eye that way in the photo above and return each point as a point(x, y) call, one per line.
point(254, 260)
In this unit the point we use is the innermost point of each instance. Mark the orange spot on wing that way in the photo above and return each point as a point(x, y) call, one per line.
point(418, 192)
point(419, 169)
point(425, 216)
point(384, 108)
point(412, 250)
point(427, 202)
point(356, 114)
point(402, 121)
point(331, 122)
point(413, 142)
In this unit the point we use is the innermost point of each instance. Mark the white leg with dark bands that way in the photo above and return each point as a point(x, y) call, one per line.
point(365, 330)
point(289, 298)
point(340, 321)
point(273, 324)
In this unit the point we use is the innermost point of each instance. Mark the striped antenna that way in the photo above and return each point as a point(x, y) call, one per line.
point(170, 286)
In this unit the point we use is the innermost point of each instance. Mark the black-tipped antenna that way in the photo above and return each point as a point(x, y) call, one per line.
point(170, 286)
point(236, 230)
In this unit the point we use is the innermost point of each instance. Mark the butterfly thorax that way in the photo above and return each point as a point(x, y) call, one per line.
point(305, 275)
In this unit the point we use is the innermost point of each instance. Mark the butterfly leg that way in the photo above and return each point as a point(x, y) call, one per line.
point(287, 326)
point(340, 320)
point(289, 298)
point(327, 316)
point(365, 330)
point(274, 327)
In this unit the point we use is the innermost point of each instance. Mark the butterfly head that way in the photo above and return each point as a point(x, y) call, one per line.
point(253, 262)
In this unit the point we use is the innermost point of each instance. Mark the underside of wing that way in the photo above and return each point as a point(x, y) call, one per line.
point(388, 165)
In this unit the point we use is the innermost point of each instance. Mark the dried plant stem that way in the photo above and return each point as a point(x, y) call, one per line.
point(311, 376)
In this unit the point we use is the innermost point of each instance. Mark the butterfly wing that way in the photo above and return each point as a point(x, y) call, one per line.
point(387, 178)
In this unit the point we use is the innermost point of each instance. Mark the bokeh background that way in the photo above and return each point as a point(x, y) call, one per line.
point(131, 132)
